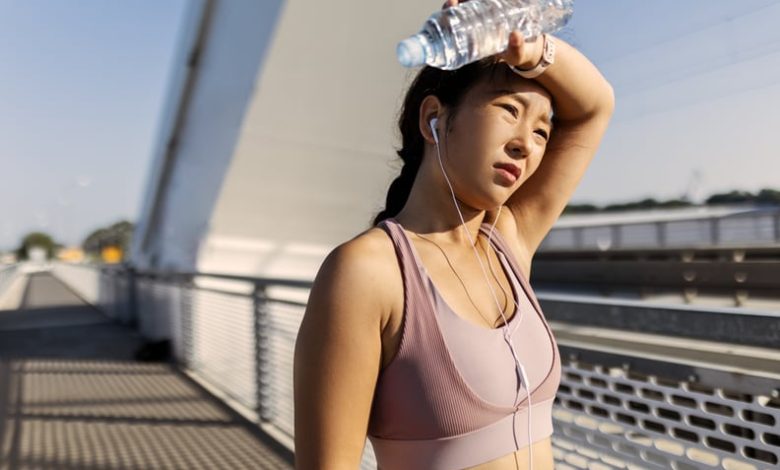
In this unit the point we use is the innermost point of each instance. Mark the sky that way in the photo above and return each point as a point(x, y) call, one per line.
point(81, 92)
point(697, 85)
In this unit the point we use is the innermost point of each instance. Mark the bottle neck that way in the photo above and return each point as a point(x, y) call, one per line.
point(427, 44)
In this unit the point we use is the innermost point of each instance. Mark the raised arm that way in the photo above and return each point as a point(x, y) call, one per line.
point(584, 102)
point(337, 361)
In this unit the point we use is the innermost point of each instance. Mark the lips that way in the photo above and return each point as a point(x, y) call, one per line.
point(513, 169)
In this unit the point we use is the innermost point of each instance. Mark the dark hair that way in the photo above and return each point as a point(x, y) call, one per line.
point(449, 86)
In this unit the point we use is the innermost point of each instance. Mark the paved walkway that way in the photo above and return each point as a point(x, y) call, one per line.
point(72, 397)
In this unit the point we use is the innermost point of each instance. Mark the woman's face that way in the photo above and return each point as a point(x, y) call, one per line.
point(506, 123)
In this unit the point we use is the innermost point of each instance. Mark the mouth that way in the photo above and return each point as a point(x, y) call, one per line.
point(510, 168)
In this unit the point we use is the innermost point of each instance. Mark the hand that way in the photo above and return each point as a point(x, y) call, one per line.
point(520, 53)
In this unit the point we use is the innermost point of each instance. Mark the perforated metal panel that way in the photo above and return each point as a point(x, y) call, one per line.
point(613, 418)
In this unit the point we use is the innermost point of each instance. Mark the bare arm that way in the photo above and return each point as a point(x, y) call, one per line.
point(584, 102)
point(337, 361)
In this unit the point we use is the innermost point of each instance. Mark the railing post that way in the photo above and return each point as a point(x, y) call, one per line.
point(616, 236)
point(577, 236)
point(714, 231)
point(262, 362)
point(661, 234)
point(183, 332)
point(777, 226)
point(132, 298)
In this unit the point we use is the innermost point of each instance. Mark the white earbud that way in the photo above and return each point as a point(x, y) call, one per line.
point(435, 121)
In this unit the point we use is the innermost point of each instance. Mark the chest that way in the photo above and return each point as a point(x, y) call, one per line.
point(478, 294)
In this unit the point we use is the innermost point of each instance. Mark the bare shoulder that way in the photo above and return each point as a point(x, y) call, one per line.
point(364, 265)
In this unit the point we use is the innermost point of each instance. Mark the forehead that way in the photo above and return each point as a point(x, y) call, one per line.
point(501, 85)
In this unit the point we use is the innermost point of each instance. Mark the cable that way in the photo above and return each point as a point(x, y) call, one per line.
point(666, 40)
point(634, 116)
point(505, 327)
point(696, 71)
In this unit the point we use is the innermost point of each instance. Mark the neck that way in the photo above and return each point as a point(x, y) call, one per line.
point(430, 209)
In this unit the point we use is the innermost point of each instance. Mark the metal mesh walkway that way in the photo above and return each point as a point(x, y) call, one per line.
point(73, 397)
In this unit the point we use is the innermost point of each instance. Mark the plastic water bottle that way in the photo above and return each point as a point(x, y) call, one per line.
point(454, 37)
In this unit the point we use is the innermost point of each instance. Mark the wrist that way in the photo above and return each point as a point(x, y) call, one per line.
point(547, 58)
point(535, 50)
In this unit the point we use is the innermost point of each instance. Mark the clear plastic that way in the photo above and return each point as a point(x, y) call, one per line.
point(454, 37)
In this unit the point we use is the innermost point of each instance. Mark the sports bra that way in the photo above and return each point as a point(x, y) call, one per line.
point(450, 398)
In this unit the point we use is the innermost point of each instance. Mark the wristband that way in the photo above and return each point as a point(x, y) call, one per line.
point(548, 58)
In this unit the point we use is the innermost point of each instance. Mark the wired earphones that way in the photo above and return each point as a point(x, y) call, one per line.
point(507, 334)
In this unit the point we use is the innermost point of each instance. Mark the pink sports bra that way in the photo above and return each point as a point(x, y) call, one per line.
point(450, 398)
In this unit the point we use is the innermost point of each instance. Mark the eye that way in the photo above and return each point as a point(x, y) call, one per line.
point(510, 108)
point(543, 133)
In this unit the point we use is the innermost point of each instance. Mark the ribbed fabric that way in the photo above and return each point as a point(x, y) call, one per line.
point(422, 401)
point(482, 356)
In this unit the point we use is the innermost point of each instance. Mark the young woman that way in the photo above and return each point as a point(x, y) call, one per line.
point(422, 333)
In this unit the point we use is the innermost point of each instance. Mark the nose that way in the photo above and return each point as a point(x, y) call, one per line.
point(520, 145)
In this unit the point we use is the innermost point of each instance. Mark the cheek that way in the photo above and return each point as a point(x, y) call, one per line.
point(535, 163)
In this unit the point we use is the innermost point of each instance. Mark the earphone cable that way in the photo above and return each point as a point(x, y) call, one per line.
point(507, 333)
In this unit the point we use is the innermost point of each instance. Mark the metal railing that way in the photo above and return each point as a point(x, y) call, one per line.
point(235, 333)
point(7, 276)
point(761, 226)
point(238, 333)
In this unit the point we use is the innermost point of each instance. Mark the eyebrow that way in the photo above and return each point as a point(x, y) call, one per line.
point(520, 99)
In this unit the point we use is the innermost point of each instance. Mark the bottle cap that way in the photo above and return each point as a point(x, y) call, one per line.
point(411, 52)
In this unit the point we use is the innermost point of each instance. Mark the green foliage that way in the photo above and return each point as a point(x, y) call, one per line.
point(731, 197)
point(118, 234)
point(580, 209)
point(768, 196)
point(40, 239)
point(765, 196)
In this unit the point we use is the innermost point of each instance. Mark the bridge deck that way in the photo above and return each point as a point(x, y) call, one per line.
point(73, 397)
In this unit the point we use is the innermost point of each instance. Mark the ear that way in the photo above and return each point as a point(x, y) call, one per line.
point(430, 107)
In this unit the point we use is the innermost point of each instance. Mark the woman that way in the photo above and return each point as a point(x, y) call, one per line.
point(411, 337)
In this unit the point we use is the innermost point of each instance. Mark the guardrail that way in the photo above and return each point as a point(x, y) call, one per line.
point(741, 282)
point(761, 226)
point(7, 275)
point(237, 335)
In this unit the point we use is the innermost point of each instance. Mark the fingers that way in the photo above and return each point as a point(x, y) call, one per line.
point(514, 52)
point(449, 3)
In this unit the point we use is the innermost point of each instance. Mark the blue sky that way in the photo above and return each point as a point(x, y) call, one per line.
point(697, 85)
point(80, 96)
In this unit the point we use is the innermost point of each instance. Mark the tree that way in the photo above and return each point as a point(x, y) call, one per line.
point(732, 197)
point(768, 196)
point(117, 235)
point(765, 196)
point(40, 239)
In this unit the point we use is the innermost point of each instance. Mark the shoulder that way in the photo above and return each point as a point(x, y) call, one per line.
point(368, 252)
point(361, 271)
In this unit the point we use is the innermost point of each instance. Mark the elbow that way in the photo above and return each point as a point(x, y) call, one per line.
point(608, 102)
point(604, 106)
